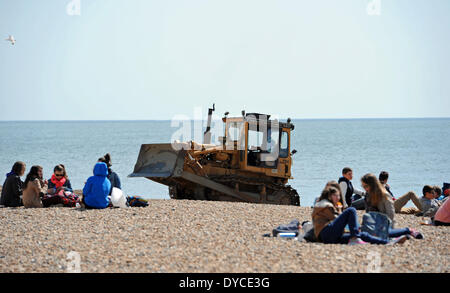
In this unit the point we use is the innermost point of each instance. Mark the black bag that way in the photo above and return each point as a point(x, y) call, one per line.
point(310, 236)
point(359, 204)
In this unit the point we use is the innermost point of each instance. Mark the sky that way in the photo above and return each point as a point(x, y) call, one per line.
point(152, 60)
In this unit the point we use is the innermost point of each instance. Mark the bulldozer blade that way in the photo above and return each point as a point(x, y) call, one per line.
point(159, 161)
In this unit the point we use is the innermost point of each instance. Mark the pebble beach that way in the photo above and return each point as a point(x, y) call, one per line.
point(199, 237)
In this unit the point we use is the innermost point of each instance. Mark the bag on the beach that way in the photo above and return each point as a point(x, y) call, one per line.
point(376, 224)
point(308, 230)
point(137, 201)
point(291, 227)
point(310, 236)
point(118, 198)
point(65, 198)
point(359, 204)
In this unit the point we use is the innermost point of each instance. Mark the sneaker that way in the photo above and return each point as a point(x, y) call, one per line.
point(356, 241)
point(416, 234)
point(398, 240)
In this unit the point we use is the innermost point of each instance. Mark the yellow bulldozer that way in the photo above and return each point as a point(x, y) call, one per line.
point(251, 163)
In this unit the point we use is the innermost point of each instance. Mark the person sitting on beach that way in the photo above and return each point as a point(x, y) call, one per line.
point(400, 202)
point(34, 188)
point(97, 188)
point(347, 187)
point(379, 200)
point(59, 192)
point(329, 222)
point(445, 191)
point(383, 178)
point(112, 176)
point(429, 203)
point(12, 187)
point(437, 192)
point(336, 185)
point(442, 216)
point(60, 181)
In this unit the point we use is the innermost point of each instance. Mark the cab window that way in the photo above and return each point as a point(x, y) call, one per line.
point(284, 145)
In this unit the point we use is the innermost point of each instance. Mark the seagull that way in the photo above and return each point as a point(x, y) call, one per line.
point(11, 39)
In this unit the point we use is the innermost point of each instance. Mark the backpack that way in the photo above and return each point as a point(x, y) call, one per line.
point(291, 227)
point(137, 201)
point(376, 224)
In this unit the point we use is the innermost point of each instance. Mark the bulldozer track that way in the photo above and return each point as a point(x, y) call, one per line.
point(293, 195)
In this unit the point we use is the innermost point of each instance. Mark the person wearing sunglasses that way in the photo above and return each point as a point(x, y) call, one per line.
point(59, 182)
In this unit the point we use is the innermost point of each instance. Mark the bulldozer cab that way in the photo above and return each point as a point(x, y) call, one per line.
point(263, 144)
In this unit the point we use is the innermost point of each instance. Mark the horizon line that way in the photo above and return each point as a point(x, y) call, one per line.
point(162, 120)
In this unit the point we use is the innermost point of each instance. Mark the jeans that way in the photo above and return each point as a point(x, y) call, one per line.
point(334, 231)
point(399, 232)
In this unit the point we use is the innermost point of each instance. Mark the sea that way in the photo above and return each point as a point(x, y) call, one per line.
point(415, 152)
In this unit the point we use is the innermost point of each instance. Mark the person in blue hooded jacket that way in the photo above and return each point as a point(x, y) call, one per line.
point(97, 187)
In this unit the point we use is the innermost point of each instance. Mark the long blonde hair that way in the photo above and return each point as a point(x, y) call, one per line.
point(376, 191)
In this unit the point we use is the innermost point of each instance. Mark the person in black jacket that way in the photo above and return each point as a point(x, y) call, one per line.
point(12, 187)
point(112, 176)
point(348, 190)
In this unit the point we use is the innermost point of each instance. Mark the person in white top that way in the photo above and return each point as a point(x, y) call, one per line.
point(347, 188)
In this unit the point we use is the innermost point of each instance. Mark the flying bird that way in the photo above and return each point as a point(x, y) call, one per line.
point(11, 39)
